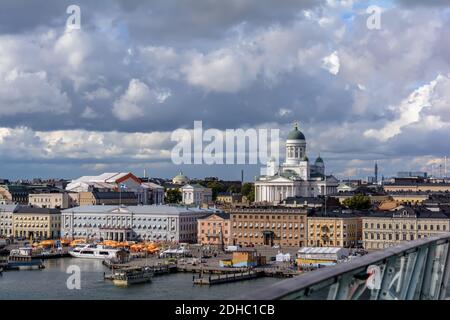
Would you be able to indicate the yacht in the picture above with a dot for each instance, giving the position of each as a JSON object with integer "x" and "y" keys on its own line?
{"x": 93, "y": 251}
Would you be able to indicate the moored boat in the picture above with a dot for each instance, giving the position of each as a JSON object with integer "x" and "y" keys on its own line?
{"x": 128, "y": 276}
{"x": 23, "y": 259}
{"x": 93, "y": 251}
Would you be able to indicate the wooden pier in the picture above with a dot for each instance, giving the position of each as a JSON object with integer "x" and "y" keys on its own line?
{"x": 226, "y": 278}
{"x": 156, "y": 270}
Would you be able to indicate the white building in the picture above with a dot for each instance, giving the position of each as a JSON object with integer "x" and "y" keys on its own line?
{"x": 6, "y": 219}
{"x": 150, "y": 222}
{"x": 112, "y": 181}
{"x": 196, "y": 194}
{"x": 296, "y": 177}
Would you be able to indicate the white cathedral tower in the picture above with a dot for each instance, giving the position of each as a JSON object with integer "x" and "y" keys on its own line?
{"x": 296, "y": 177}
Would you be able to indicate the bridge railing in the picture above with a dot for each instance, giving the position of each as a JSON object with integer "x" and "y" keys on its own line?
{"x": 415, "y": 270}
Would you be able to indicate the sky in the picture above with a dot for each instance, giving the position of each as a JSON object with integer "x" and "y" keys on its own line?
{"x": 108, "y": 96}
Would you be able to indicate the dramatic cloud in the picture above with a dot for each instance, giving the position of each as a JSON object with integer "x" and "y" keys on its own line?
{"x": 99, "y": 98}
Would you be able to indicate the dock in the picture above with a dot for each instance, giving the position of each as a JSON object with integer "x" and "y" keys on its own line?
{"x": 227, "y": 278}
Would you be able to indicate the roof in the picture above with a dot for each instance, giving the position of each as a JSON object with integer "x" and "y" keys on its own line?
{"x": 8, "y": 207}
{"x": 36, "y": 210}
{"x": 296, "y": 134}
{"x": 320, "y": 250}
{"x": 142, "y": 209}
{"x": 420, "y": 213}
{"x": 223, "y": 215}
{"x": 319, "y": 159}
{"x": 107, "y": 177}
{"x": 114, "y": 195}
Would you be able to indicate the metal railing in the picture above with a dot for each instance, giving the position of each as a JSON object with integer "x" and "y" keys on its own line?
{"x": 416, "y": 270}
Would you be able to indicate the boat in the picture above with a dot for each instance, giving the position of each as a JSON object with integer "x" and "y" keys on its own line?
{"x": 94, "y": 251}
{"x": 133, "y": 275}
{"x": 23, "y": 259}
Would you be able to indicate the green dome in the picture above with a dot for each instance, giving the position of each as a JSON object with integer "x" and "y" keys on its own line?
{"x": 296, "y": 134}
{"x": 319, "y": 159}
{"x": 305, "y": 158}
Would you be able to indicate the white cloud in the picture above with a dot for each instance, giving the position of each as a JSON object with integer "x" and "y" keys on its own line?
{"x": 331, "y": 63}
{"x": 408, "y": 111}
{"x": 30, "y": 92}
{"x": 137, "y": 99}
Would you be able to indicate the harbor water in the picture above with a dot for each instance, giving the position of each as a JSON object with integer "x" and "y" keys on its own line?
{"x": 51, "y": 283}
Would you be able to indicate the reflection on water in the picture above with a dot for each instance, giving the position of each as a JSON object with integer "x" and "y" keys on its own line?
{"x": 50, "y": 283}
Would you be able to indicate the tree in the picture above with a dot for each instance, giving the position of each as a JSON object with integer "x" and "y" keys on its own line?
{"x": 216, "y": 187}
{"x": 358, "y": 202}
{"x": 173, "y": 196}
{"x": 248, "y": 190}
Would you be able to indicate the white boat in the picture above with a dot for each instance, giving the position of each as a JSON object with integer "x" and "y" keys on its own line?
{"x": 93, "y": 251}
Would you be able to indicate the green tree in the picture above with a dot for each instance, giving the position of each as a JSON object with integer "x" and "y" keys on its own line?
{"x": 217, "y": 187}
{"x": 248, "y": 190}
{"x": 357, "y": 202}
{"x": 173, "y": 196}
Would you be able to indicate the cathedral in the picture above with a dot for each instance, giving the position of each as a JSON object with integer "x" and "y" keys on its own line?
{"x": 296, "y": 177}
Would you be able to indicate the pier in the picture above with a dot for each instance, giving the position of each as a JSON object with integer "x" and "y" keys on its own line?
{"x": 227, "y": 278}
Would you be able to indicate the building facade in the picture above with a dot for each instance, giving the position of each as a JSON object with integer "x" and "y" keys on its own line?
{"x": 261, "y": 225}
{"x": 144, "y": 222}
{"x": 334, "y": 229}
{"x": 57, "y": 200}
{"x": 6, "y": 219}
{"x": 36, "y": 223}
{"x": 214, "y": 229}
{"x": 385, "y": 229}
{"x": 107, "y": 198}
{"x": 196, "y": 194}
{"x": 296, "y": 177}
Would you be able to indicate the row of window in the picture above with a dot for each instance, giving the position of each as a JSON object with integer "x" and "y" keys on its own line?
{"x": 390, "y": 236}
{"x": 265, "y": 217}
{"x": 405, "y": 226}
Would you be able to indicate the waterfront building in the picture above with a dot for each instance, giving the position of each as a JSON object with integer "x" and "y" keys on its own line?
{"x": 334, "y": 229}
{"x": 196, "y": 194}
{"x": 53, "y": 200}
{"x": 37, "y": 223}
{"x": 386, "y": 229}
{"x": 296, "y": 176}
{"x": 214, "y": 229}
{"x": 107, "y": 198}
{"x": 142, "y": 222}
{"x": 6, "y": 219}
{"x": 268, "y": 225}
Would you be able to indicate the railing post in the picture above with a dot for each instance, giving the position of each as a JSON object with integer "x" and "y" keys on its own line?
{"x": 426, "y": 281}
{"x": 445, "y": 277}
{"x": 417, "y": 276}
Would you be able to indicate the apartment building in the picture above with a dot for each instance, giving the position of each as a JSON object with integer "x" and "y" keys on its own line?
{"x": 6, "y": 219}
{"x": 56, "y": 200}
{"x": 334, "y": 229}
{"x": 36, "y": 223}
{"x": 386, "y": 229}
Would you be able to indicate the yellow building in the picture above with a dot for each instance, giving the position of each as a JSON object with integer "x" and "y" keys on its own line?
{"x": 56, "y": 200}
{"x": 37, "y": 223}
{"x": 385, "y": 229}
{"x": 334, "y": 229}
{"x": 229, "y": 197}
{"x": 409, "y": 197}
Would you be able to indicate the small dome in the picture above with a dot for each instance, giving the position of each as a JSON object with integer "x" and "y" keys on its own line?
{"x": 296, "y": 134}
{"x": 305, "y": 158}
{"x": 319, "y": 159}
{"x": 180, "y": 179}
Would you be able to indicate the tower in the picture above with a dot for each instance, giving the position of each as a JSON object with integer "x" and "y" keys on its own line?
{"x": 376, "y": 172}
{"x": 295, "y": 146}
